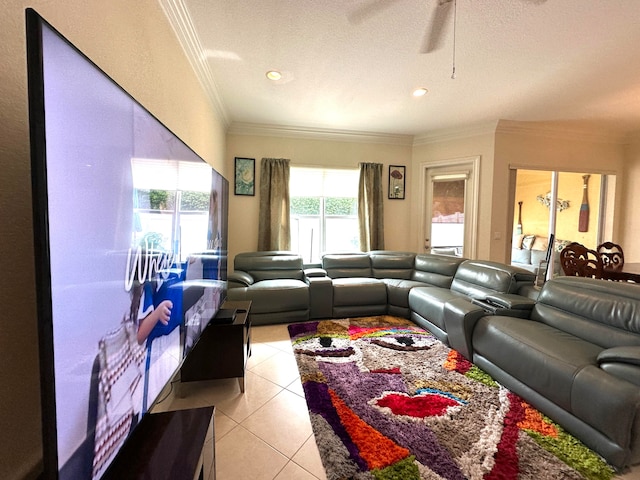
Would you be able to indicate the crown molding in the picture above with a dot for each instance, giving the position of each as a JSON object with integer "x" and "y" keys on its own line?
{"x": 562, "y": 131}
{"x": 449, "y": 134}
{"x": 180, "y": 20}
{"x": 265, "y": 130}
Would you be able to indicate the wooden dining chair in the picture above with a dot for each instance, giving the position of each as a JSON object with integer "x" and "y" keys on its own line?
{"x": 612, "y": 256}
{"x": 577, "y": 260}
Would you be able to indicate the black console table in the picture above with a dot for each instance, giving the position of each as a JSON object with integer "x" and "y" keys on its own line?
{"x": 223, "y": 349}
{"x": 166, "y": 446}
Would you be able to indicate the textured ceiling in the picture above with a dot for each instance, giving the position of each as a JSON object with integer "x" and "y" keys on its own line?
{"x": 352, "y": 64}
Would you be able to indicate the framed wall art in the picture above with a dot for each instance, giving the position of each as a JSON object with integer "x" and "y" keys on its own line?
{"x": 244, "y": 176}
{"x": 396, "y": 182}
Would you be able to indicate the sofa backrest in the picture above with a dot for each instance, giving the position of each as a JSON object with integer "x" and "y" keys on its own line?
{"x": 601, "y": 312}
{"x": 479, "y": 278}
{"x": 341, "y": 265}
{"x": 270, "y": 265}
{"x": 436, "y": 270}
{"x": 391, "y": 264}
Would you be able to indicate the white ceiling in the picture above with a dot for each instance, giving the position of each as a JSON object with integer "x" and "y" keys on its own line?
{"x": 351, "y": 65}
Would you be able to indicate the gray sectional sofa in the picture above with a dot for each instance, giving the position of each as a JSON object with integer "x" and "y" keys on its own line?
{"x": 572, "y": 349}
{"x": 360, "y": 284}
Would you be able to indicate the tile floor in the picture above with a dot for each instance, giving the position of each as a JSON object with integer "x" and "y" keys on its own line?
{"x": 265, "y": 433}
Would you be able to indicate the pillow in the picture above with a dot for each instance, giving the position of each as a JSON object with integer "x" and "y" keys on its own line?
{"x": 517, "y": 241}
{"x": 521, "y": 255}
{"x": 527, "y": 241}
{"x": 540, "y": 243}
{"x": 560, "y": 244}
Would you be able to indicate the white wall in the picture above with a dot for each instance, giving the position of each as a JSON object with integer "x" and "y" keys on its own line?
{"x": 556, "y": 148}
{"x": 629, "y": 220}
{"x": 134, "y": 44}
{"x": 243, "y": 210}
{"x": 443, "y": 148}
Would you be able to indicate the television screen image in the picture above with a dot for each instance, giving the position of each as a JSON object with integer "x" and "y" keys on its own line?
{"x": 131, "y": 238}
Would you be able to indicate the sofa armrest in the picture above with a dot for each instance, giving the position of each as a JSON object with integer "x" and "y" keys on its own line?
{"x": 460, "y": 318}
{"x": 630, "y": 355}
{"x": 239, "y": 279}
{"x": 315, "y": 272}
{"x": 510, "y": 301}
{"x": 621, "y": 362}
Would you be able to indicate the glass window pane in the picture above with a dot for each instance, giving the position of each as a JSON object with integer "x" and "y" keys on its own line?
{"x": 305, "y": 206}
{"x": 340, "y": 206}
{"x": 342, "y": 234}
{"x": 305, "y": 237}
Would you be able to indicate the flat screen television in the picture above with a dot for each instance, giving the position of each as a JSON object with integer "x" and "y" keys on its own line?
{"x": 130, "y": 230}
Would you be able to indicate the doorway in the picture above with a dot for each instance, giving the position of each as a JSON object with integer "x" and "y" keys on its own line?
{"x": 449, "y": 207}
{"x": 571, "y": 206}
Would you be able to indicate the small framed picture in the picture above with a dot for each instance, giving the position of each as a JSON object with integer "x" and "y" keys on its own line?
{"x": 245, "y": 176}
{"x": 396, "y": 182}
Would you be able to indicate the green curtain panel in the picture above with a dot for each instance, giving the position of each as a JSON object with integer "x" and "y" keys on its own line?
{"x": 370, "y": 207}
{"x": 274, "y": 227}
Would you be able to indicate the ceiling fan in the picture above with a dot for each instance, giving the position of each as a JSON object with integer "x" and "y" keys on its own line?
{"x": 441, "y": 17}
{"x": 433, "y": 35}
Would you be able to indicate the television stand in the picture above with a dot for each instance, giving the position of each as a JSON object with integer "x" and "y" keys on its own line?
{"x": 223, "y": 349}
{"x": 167, "y": 446}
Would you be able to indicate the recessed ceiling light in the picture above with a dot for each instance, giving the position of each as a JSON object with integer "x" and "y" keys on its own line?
{"x": 419, "y": 92}
{"x": 274, "y": 75}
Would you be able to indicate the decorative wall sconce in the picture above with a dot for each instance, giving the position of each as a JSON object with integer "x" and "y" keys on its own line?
{"x": 546, "y": 201}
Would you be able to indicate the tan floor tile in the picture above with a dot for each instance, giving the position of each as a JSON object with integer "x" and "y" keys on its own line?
{"x": 308, "y": 458}
{"x": 259, "y": 353}
{"x": 269, "y": 333}
{"x": 296, "y": 387}
{"x": 283, "y": 422}
{"x": 282, "y": 345}
{"x": 258, "y": 391}
{"x": 223, "y": 424}
{"x": 294, "y": 472}
{"x": 280, "y": 369}
{"x": 632, "y": 474}
{"x": 242, "y": 455}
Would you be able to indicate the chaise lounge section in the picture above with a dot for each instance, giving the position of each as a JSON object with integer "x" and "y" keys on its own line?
{"x": 576, "y": 358}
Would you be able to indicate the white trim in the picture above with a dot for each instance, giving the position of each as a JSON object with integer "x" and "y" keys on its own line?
{"x": 180, "y": 20}
{"x": 562, "y": 132}
{"x": 450, "y": 134}
{"x": 265, "y": 130}
{"x": 471, "y": 200}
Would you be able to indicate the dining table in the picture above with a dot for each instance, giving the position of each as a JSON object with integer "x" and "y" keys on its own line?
{"x": 630, "y": 273}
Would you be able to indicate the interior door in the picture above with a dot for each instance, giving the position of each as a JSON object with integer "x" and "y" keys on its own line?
{"x": 449, "y": 208}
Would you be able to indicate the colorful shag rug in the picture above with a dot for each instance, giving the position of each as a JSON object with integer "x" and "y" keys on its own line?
{"x": 387, "y": 400}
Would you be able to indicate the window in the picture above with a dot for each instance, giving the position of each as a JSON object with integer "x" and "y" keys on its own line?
{"x": 171, "y": 216}
{"x": 324, "y": 211}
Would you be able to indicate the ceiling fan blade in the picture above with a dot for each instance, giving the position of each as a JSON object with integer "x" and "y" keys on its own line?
{"x": 368, "y": 10}
{"x": 439, "y": 20}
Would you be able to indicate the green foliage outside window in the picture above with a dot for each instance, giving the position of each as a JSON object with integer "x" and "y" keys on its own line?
{"x": 340, "y": 206}
{"x": 195, "y": 201}
{"x": 332, "y": 206}
{"x": 166, "y": 200}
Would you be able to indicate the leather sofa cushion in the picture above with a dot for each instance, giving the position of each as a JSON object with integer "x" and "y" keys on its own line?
{"x": 347, "y": 265}
{"x": 268, "y": 296}
{"x": 477, "y": 279}
{"x": 269, "y": 265}
{"x": 392, "y": 264}
{"x": 398, "y": 291}
{"x": 437, "y": 270}
{"x": 603, "y": 313}
{"x": 544, "y": 358}
{"x": 429, "y": 302}
{"x": 359, "y": 291}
